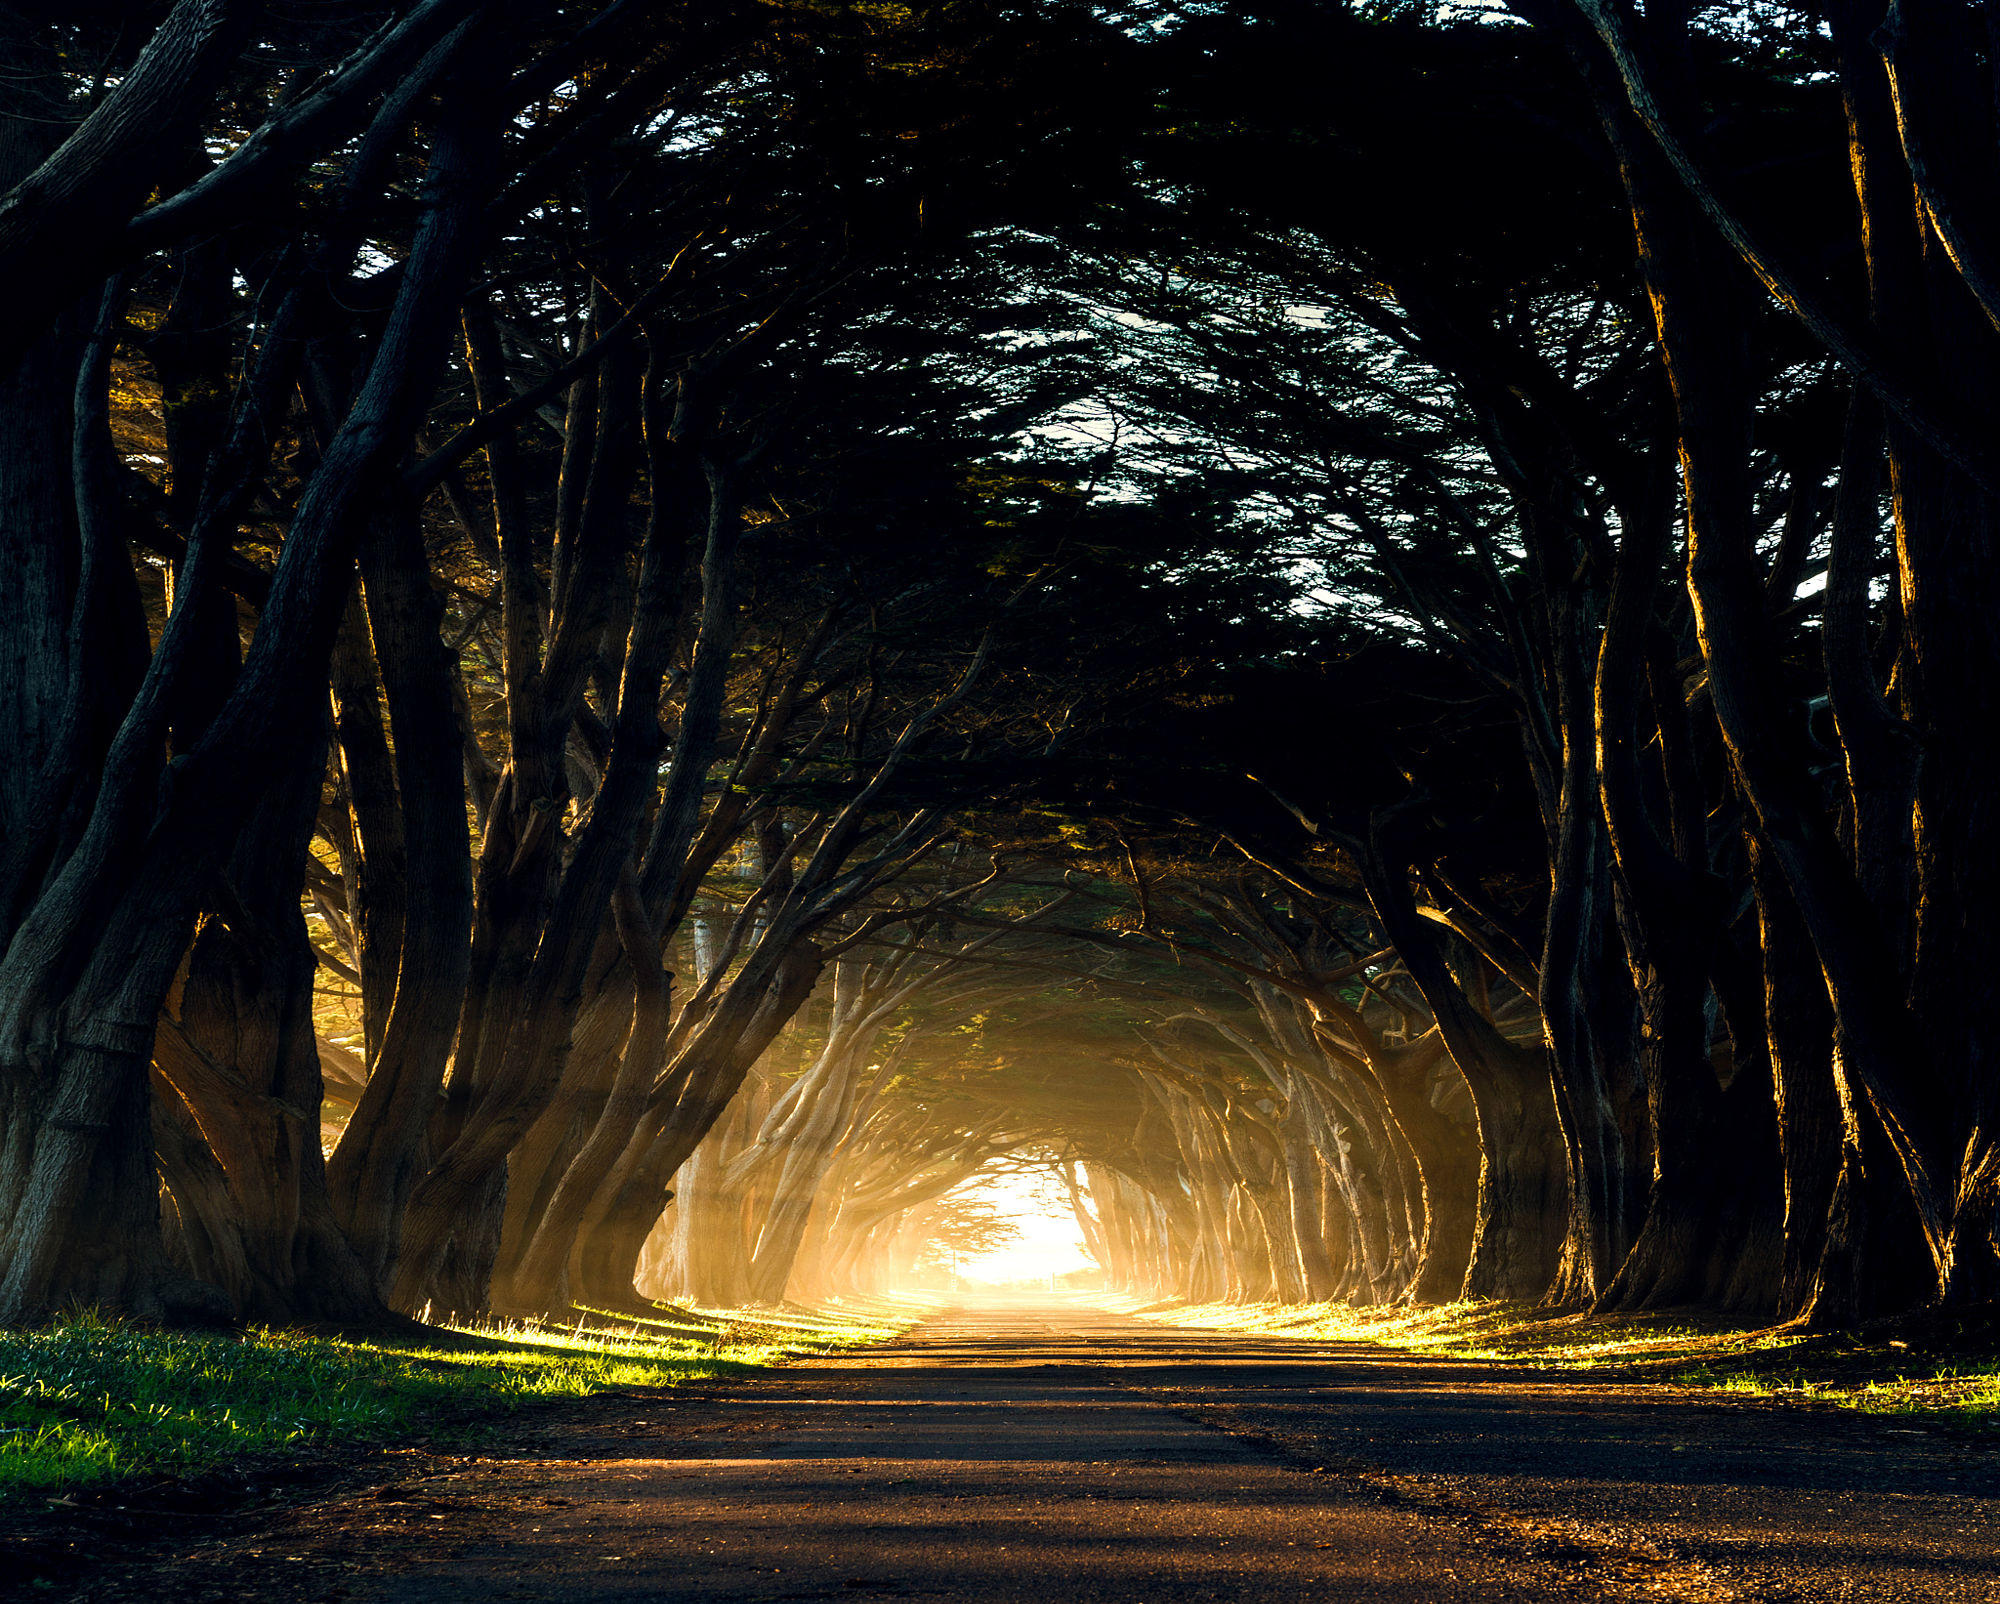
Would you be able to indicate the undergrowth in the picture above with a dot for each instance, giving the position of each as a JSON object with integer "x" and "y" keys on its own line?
{"x": 1886, "y": 1376}
{"x": 1966, "y": 1394}
{"x": 88, "y": 1401}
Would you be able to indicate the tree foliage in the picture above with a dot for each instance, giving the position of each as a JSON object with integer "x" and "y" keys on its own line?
{"x": 1363, "y": 628}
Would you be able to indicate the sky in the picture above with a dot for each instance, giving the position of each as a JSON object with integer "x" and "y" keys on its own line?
{"x": 1050, "y": 1243}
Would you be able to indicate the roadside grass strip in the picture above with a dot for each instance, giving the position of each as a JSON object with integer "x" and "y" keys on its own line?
{"x": 827, "y": 1327}
{"x": 1876, "y": 1375}
{"x": 86, "y": 1402}
{"x": 1953, "y": 1393}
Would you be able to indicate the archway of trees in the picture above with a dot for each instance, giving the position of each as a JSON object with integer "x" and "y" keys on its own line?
{"x": 638, "y": 635}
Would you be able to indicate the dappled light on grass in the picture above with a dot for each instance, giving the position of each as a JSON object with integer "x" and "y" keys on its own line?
{"x": 1685, "y": 1348}
{"x": 1484, "y": 1329}
{"x": 1963, "y": 1394}
{"x": 86, "y": 1401}
{"x": 838, "y": 1323}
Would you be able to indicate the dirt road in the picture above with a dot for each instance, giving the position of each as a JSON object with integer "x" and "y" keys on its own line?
{"x": 1052, "y": 1454}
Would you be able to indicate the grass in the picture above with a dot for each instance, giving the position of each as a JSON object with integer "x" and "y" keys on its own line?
{"x": 1941, "y": 1382}
{"x": 88, "y": 1401}
{"x": 1947, "y": 1393}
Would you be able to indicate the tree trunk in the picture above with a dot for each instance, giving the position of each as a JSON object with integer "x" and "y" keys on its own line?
{"x": 376, "y": 1162}
{"x": 83, "y": 982}
{"x": 38, "y": 528}
{"x": 1522, "y": 1172}
{"x": 237, "y": 1049}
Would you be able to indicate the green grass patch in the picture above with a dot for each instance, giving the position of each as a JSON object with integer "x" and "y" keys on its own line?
{"x": 1688, "y": 1348}
{"x": 823, "y": 1328}
{"x": 1946, "y": 1392}
{"x": 87, "y": 1402}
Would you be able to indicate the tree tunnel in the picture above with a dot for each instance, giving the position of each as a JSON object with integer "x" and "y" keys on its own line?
{"x": 774, "y": 604}
{"x": 1230, "y": 1108}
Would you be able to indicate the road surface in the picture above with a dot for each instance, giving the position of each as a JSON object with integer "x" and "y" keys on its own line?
{"x": 1051, "y": 1453}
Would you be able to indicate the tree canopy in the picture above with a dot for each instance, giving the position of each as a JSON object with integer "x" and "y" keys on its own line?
{"x": 642, "y": 635}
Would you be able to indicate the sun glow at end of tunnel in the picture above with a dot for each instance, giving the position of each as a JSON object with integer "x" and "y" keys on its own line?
{"x": 1049, "y": 1244}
